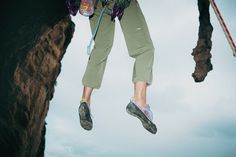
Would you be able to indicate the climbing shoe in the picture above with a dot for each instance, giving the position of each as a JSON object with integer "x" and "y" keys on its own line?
{"x": 144, "y": 115}
{"x": 85, "y": 117}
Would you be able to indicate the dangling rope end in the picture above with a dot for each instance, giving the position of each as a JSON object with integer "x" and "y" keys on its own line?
{"x": 234, "y": 52}
{"x": 91, "y": 43}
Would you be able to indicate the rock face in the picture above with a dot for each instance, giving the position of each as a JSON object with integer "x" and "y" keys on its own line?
{"x": 201, "y": 52}
{"x": 34, "y": 38}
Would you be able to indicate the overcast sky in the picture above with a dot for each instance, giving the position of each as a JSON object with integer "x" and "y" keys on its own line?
{"x": 193, "y": 119}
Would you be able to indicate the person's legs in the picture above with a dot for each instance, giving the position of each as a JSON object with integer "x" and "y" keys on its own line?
{"x": 97, "y": 60}
{"x": 103, "y": 44}
{"x": 141, "y": 48}
{"x": 139, "y": 43}
{"x": 140, "y": 89}
{"x": 96, "y": 64}
{"x": 139, "y": 108}
{"x": 87, "y": 92}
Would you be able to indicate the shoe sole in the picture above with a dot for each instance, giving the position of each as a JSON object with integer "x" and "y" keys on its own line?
{"x": 86, "y": 123}
{"x": 133, "y": 110}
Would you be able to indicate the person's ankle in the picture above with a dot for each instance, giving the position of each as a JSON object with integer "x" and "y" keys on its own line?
{"x": 87, "y": 101}
{"x": 140, "y": 102}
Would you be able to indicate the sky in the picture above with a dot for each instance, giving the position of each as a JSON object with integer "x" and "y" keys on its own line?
{"x": 193, "y": 119}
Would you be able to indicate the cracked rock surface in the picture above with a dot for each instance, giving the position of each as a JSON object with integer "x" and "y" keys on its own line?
{"x": 34, "y": 38}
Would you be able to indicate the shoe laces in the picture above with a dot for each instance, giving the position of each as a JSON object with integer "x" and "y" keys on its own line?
{"x": 146, "y": 110}
{"x": 148, "y": 113}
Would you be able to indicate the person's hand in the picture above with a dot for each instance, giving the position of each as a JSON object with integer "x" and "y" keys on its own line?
{"x": 118, "y": 9}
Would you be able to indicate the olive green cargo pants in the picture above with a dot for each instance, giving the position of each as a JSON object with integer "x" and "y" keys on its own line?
{"x": 137, "y": 38}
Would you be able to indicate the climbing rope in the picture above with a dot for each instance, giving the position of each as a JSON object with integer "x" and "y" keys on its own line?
{"x": 89, "y": 47}
{"x": 224, "y": 27}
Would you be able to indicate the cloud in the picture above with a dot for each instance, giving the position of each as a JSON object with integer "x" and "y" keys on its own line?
{"x": 193, "y": 119}
{"x": 223, "y": 128}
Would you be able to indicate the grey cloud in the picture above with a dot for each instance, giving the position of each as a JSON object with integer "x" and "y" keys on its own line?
{"x": 224, "y": 128}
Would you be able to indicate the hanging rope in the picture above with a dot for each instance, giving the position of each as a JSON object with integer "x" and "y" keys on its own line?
{"x": 224, "y": 27}
{"x": 89, "y": 47}
{"x": 103, "y": 11}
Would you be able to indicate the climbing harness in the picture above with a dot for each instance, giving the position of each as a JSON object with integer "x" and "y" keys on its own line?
{"x": 224, "y": 27}
{"x": 89, "y": 47}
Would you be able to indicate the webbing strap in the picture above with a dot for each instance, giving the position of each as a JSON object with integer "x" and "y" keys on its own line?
{"x": 89, "y": 47}
{"x": 224, "y": 27}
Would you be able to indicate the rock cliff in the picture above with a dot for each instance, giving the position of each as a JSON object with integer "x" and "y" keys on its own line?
{"x": 34, "y": 38}
{"x": 201, "y": 52}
